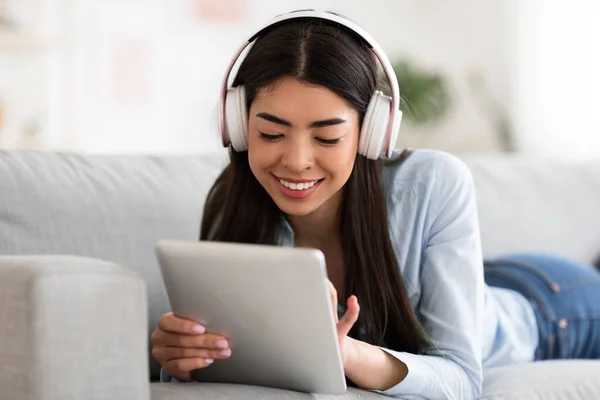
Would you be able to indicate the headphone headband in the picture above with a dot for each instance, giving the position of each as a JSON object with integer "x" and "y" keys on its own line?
{"x": 395, "y": 115}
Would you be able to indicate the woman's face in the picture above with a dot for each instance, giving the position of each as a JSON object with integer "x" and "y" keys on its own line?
{"x": 302, "y": 143}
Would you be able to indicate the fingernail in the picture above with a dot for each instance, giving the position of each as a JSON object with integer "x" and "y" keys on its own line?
{"x": 198, "y": 329}
{"x": 225, "y": 353}
{"x": 222, "y": 344}
{"x": 208, "y": 360}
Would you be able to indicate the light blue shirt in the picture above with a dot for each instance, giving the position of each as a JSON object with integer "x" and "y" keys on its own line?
{"x": 434, "y": 228}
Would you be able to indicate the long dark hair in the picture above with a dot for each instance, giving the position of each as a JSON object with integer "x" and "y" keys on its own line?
{"x": 238, "y": 209}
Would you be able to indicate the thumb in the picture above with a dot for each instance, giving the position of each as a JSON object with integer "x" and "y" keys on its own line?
{"x": 350, "y": 316}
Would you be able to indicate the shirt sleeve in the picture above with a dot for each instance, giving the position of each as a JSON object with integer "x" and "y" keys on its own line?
{"x": 165, "y": 377}
{"x": 452, "y": 285}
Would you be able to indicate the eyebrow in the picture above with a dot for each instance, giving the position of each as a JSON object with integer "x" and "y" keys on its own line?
{"x": 315, "y": 124}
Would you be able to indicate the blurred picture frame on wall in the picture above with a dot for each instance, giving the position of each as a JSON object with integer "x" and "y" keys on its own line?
{"x": 7, "y": 20}
{"x": 3, "y": 13}
{"x": 220, "y": 10}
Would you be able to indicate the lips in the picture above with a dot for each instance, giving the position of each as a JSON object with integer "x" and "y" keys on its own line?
{"x": 295, "y": 188}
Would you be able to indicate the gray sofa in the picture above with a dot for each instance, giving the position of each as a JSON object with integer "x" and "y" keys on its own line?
{"x": 80, "y": 289}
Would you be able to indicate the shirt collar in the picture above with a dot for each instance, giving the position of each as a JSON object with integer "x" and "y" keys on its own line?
{"x": 285, "y": 232}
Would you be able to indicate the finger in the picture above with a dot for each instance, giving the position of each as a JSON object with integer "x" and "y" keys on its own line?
{"x": 171, "y": 323}
{"x": 164, "y": 354}
{"x": 350, "y": 316}
{"x": 205, "y": 341}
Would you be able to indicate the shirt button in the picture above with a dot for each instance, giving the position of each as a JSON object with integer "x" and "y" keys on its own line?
{"x": 563, "y": 323}
{"x": 556, "y": 287}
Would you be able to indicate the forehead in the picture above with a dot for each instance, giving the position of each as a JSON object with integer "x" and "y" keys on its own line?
{"x": 290, "y": 96}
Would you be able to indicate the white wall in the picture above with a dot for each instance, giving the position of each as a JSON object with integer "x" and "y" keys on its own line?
{"x": 557, "y": 89}
{"x": 189, "y": 56}
{"x": 538, "y": 57}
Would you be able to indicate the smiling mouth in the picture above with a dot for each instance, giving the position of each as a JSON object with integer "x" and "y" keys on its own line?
{"x": 299, "y": 186}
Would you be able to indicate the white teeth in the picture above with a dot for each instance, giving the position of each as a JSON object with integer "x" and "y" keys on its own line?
{"x": 298, "y": 186}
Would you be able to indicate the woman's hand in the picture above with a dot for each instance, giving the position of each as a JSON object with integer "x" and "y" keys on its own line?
{"x": 365, "y": 365}
{"x": 348, "y": 346}
{"x": 181, "y": 346}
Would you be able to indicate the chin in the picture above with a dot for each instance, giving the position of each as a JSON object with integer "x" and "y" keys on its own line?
{"x": 297, "y": 210}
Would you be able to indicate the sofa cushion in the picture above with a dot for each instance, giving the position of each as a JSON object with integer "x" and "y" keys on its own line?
{"x": 544, "y": 380}
{"x": 219, "y": 391}
{"x": 534, "y": 204}
{"x": 107, "y": 207}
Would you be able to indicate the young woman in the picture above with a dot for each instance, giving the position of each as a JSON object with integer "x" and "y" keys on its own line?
{"x": 400, "y": 234}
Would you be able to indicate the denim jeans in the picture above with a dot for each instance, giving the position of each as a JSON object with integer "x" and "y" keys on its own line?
{"x": 565, "y": 296}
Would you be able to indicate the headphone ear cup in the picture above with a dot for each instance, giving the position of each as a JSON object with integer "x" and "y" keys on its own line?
{"x": 236, "y": 118}
{"x": 374, "y": 127}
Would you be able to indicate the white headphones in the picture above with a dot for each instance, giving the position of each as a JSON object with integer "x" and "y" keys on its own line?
{"x": 379, "y": 129}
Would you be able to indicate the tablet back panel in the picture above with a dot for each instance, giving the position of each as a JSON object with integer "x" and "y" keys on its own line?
{"x": 271, "y": 302}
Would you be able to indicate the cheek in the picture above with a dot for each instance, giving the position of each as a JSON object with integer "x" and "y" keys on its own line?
{"x": 259, "y": 158}
{"x": 341, "y": 163}
{"x": 349, "y": 152}
{"x": 255, "y": 162}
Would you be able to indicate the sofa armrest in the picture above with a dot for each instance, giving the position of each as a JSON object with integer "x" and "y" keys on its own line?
{"x": 72, "y": 328}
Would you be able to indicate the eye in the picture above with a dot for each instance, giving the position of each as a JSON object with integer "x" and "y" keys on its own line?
{"x": 329, "y": 142}
{"x": 269, "y": 138}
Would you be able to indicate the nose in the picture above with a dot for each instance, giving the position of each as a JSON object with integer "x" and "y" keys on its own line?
{"x": 297, "y": 156}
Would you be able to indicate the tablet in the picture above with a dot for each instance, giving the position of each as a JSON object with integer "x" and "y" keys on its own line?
{"x": 271, "y": 302}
